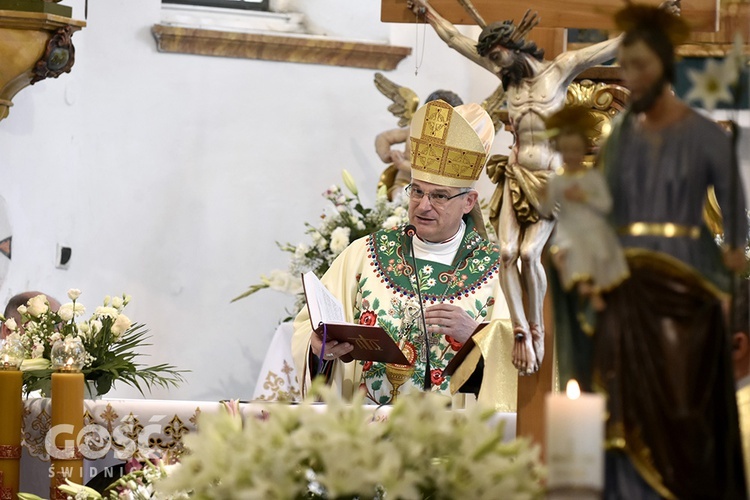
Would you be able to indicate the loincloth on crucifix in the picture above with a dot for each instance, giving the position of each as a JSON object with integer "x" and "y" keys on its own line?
{"x": 525, "y": 186}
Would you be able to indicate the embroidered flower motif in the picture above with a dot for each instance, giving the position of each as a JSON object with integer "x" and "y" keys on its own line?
{"x": 455, "y": 344}
{"x": 436, "y": 377}
{"x": 427, "y": 270}
{"x": 410, "y": 352}
{"x": 367, "y": 366}
{"x": 369, "y": 318}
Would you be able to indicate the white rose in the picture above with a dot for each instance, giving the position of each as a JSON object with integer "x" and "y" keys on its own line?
{"x": 38, "y": 305}
{"x": 66, "y": 311}
{"x": 117, "y": 302}
{"x": 74, "y": 293}
{"x": 361, "y": 225}
{"x": 120, "y": 326}
{"x": 126, "y": 299}
{"x": 96, "y": 326}
{"x": 339, "y": 239}
{"x": 11, "y": 325}
{"x": 22, "y": 310}
{"x": 109, "y": 312}
{"x": 69, "y": 310}
{"x": 83, "y": 328}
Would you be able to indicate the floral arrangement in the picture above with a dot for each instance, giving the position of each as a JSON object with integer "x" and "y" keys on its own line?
{"x": 420, "y": 450}
{"x": 346, "y": 220}
{"x": 110, "y": 340}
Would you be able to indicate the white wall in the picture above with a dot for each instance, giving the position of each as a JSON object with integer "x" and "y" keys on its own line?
{"x": 171, "y": 176}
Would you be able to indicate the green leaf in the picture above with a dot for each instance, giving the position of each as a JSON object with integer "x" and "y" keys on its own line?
{"x": 376, "y": 385}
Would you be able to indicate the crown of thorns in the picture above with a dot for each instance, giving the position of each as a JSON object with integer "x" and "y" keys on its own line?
{"x": 507, "y": 33}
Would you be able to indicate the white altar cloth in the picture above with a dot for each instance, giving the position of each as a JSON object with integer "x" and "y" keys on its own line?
{"x": 157, "y": 426}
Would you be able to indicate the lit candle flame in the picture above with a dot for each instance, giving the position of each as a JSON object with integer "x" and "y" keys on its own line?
{"x": 572, "y": 389}
{"x": 70, "y": 362}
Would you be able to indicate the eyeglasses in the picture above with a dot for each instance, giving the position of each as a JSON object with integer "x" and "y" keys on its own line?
{"x": 436, "y": 199}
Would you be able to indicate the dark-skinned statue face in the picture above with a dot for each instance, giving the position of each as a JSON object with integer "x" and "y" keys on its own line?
{"x": 643, "y": 74}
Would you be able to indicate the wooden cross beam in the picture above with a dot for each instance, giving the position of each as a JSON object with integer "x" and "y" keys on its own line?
{"x": 702, "y": 15}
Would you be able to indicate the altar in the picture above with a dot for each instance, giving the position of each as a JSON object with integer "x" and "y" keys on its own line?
{"x": 116, "y": 429}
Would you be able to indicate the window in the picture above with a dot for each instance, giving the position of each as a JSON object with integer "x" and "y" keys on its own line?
{"x": 227, "y": 4}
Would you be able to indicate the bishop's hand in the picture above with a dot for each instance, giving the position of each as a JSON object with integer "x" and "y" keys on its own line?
{"x": 447, "y": 319}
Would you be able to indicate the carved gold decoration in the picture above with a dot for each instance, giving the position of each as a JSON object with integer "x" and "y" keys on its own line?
{"x": 298, "y": 49}
{"x": 24, "y": 39}
{"x": 604, "y": 100}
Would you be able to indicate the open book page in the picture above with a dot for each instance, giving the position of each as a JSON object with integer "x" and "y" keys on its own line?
{"x": 321, "y": 304}
{"x": 371, "y": 343}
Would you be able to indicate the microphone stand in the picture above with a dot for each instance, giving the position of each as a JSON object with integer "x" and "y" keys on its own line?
{"x": 410, "y": 231}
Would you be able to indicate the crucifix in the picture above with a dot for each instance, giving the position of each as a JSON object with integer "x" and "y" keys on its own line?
{"x": 535, "y": 87}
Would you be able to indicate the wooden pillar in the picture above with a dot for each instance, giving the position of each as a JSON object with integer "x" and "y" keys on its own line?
{"x": 554, "y": 41}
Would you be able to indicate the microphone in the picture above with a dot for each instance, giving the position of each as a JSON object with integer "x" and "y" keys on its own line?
{"x": 410, "y": 232}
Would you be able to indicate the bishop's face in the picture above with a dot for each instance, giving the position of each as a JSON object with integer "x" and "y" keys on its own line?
{"x": 642, "y": 74}
{"x": 439, "y": 221}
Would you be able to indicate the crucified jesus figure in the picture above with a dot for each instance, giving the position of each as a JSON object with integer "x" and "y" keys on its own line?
{"x": 534, "y": 88}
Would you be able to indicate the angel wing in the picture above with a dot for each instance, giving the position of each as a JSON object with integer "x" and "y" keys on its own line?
{"x": 494, "y": 105}
{"x": 405, "y": 100}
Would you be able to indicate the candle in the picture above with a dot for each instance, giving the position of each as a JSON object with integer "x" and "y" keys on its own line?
{"x": 575, "y": 443}
{"x": 11, "y": 383}
{"x": 67, "y": 409}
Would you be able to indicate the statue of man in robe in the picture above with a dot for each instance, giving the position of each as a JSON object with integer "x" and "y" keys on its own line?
{"x": 535, "y": 88}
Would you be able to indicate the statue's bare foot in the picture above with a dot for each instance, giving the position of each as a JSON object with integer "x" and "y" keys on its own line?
{"x": 524, "y": 358}
{"x": 537, "y": 339}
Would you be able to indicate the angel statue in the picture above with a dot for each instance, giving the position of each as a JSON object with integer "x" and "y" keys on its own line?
{"x": 535, "y": 88}
{"x": 405, "y": 102}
